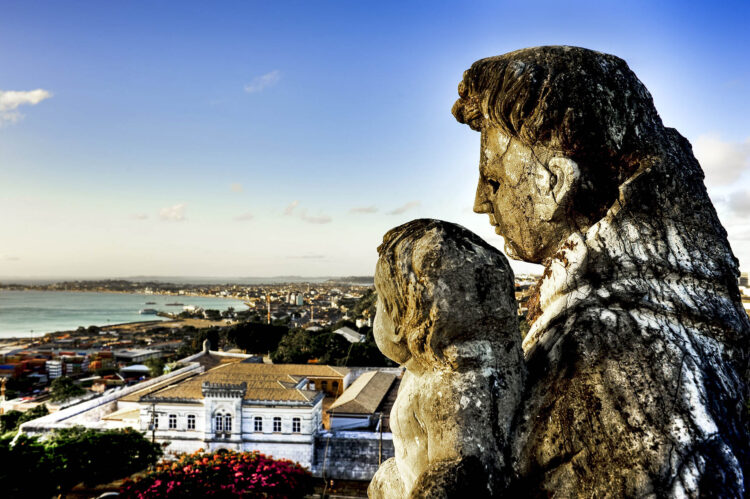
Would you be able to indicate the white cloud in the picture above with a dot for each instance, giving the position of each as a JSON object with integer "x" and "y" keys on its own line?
{"x": 244, "y": 217}
{"x": 739, "y": 233}
{"x": 235, "y": 187}
{"x": 739, "y": 203}
{"x": 174, "y": 213}
{"x": 724, "y": 162}
{"x": 364, "y": 209}
{"x": 290, "y": 208}
{"x": 261, "y": 82}
{"x": 321, "y": 219}
{"x": 8, "y": 258}
{"x": 404, "y": 208}
{"x": 11, "y": 100}
{"x": 139, "y": 216}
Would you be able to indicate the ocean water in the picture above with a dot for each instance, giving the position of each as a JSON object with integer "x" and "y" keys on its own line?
{"x": 27, "y": 313}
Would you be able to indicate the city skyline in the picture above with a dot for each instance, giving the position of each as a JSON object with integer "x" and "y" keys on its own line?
{"x": 265, "y": 140}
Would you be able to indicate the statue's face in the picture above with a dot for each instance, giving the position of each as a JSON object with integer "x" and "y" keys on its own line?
{"x": 521, "y": 189}
{"x": 387, "y": 338}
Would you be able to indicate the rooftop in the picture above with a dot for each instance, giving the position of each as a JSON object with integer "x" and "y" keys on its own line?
{"x": 265, "y": 382}
{"x": 365, "y": 394}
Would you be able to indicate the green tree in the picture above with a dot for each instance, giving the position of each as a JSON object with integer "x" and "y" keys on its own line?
{"x": 11, "y": 420}
{"x": 330, "y": 348}
{"x": 42, "y": 469}
{"x": 64, "y": 388}
{"x": 94, "y": 457}
{"x": 211, "y": 334}
{"x": 27, "y": 468}
{"x": 368, "y": 354}
{"x": 366, "y": 305}
{"x": 212, "y": 315}
{"x": 254, "y": 337}
{"x": 155, "y": 366}
{"x": 294, "y": 348}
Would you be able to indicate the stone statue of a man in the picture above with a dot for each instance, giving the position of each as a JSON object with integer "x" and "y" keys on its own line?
{"x": 638, "y": 338}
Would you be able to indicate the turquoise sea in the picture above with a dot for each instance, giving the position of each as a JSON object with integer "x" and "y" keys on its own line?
{"x": 27, "y": 313}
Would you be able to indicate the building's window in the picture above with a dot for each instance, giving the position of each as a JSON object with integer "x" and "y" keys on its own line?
{"x": 277, "y": 424}
{"x": 219, "y": 422}
{"x": 173, "y": 421}
{"x": 156, "y": 421}
{"x": 228, "y": 423}
{"x": 258, "y": 423}
{"x": 296, "y": 425}
{"x": 191, "y": 422}
{"x": 324, "y": 385}
{"x": 335, "y": 385}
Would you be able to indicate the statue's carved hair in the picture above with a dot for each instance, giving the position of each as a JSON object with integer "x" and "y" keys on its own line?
{"x": 436, "y": 277}
{"x": 588, "y": 105}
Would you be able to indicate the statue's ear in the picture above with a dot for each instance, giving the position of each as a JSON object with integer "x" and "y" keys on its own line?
{"x": 556, "y": 183}
{"x": 566, "y": 174}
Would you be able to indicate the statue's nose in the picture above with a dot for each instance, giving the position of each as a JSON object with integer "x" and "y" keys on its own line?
{"x": 481, "y": 203}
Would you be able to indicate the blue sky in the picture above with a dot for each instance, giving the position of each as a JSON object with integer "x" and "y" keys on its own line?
{"x": 269, "y": 138}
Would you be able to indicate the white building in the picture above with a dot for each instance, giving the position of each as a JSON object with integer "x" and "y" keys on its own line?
{"x": 363, "y": 403}
{"x": 54, "y": 368}
{"x": 218, "y": 401}
{"x": 265, "y": 407}
{"x": 350, "y": 334}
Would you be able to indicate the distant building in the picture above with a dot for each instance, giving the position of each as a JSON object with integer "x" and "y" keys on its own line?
{"x": 362, "y": 322}
{"x": 350, "y": 334}
{"x": 222, "y": 400}
{"x": 136, "y": 355}
{"x": 360, "y": 406}
{"x": 54, "y": 368}
{"x": 219, "y": 401}
{"x": 745, "y": 279}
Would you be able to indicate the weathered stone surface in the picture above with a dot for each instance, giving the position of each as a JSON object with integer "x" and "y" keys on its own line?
{"x": 638, "y": 337}
{"x": 447, "y": 312}
{"x": 349, "y": 455}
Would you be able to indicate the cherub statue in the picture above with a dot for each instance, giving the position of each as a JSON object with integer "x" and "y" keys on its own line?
{"x": 447, "y": 312}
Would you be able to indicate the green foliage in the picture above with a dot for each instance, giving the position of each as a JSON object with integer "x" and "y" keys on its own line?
{"x": 211, "y": 334}
{"x": 43, "y": 469}
{"x": 524, "y": 327}
{"x": 27, "y": 469}
{"x": 64, "y": 388}
{"x": 368, "y": 354}
{"x": 95, "y": 457}
{"x": 300, "y": 346}
{"x": 330, "y": 348}
{"x": 366, "y": 305}
{"x": 155, "y": 366}
{"x": 255, "y": 337}
{"x": 11, "y": 420}
{"x": 212, "y": 315}
{"x": 294, "y": 348}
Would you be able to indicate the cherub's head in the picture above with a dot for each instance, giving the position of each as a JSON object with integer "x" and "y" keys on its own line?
{"x": 440, "y": 286}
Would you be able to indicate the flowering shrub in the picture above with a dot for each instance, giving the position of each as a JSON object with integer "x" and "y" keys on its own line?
{"x": 226, "y": 474}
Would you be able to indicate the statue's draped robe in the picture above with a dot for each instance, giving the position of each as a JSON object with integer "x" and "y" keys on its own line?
{"x": 635, "y": 359}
